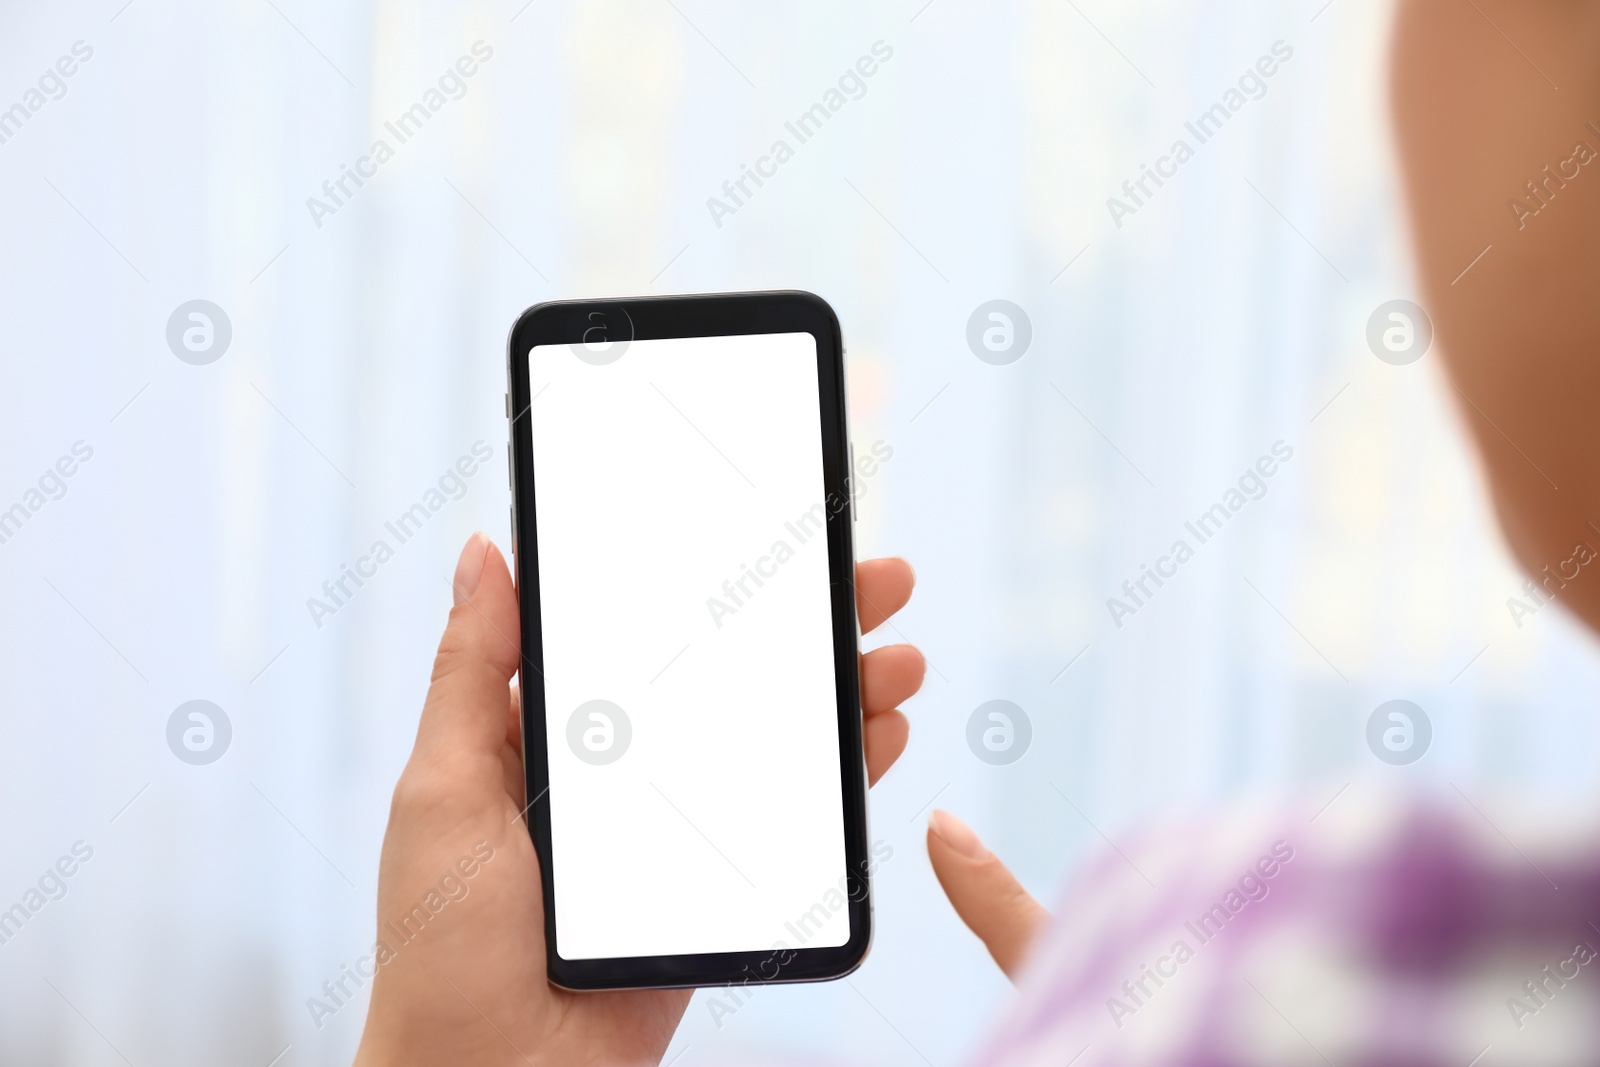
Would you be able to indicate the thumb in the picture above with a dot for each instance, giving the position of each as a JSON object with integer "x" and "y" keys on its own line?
{"x": 985, "y": 894}
{"x": 470, "y": 692}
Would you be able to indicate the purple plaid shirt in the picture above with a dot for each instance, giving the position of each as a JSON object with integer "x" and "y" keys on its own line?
{"x": 1374, "y": 931}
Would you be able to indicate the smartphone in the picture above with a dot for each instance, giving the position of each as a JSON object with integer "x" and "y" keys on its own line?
{"x": 691, "y": 712}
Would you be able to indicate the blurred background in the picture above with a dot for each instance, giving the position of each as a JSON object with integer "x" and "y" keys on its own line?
{"x": 1170, "y": 347}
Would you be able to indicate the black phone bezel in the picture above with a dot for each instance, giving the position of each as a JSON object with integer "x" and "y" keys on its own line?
{"x": 702, "y": 315}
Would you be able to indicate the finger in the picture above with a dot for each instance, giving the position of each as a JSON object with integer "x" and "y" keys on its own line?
{"x": 882, "y": 588}
{"x": 985, "y": 894}
{"x": 890, "y": 676}
{"x": 512, "y": 765}
{"x": 467, "y": 701}
{"x": 884, "y": 735}
{"x": 514, "y": 719}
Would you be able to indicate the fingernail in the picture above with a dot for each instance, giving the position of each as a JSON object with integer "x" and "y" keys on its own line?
{"x": 469, "y": 568}
{"x": 957, "y": 834}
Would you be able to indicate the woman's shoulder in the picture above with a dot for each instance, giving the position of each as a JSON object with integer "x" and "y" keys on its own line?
{"x": 1292, "y": 928}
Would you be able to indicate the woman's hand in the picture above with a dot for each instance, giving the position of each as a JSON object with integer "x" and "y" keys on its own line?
{"x": 985, "y": 894}
{"x": 461, "y": 971}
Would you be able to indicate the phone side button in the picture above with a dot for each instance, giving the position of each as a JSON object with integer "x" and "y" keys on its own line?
{"x": 512, "y": 511}
{"x": 851, "y": 482}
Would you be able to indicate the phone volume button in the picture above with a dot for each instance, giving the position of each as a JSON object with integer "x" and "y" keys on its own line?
{"x": 850, "y": 483}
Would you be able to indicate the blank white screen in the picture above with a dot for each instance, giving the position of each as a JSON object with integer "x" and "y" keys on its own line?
{"x": 659, "y": 478}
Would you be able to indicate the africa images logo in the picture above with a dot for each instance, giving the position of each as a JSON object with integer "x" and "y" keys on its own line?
{"x": 999, "y": 332}
{"x": 851, "y": 85}
{"x": 1251, "y": 85}
{"x": 599, "y": 732}
{"x": 199, "y": 732}
{"x": 451, "y": 85}
{"x": 999, "y": 732}
{"x": 1399, "y": 732}
{"x": 199, "y": 332}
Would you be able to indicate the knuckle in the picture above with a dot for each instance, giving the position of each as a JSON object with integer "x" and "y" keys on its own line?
{"x": 453, "y": 652}
{"x": 415, "y": 793}
{"x": 442, "y": 789}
